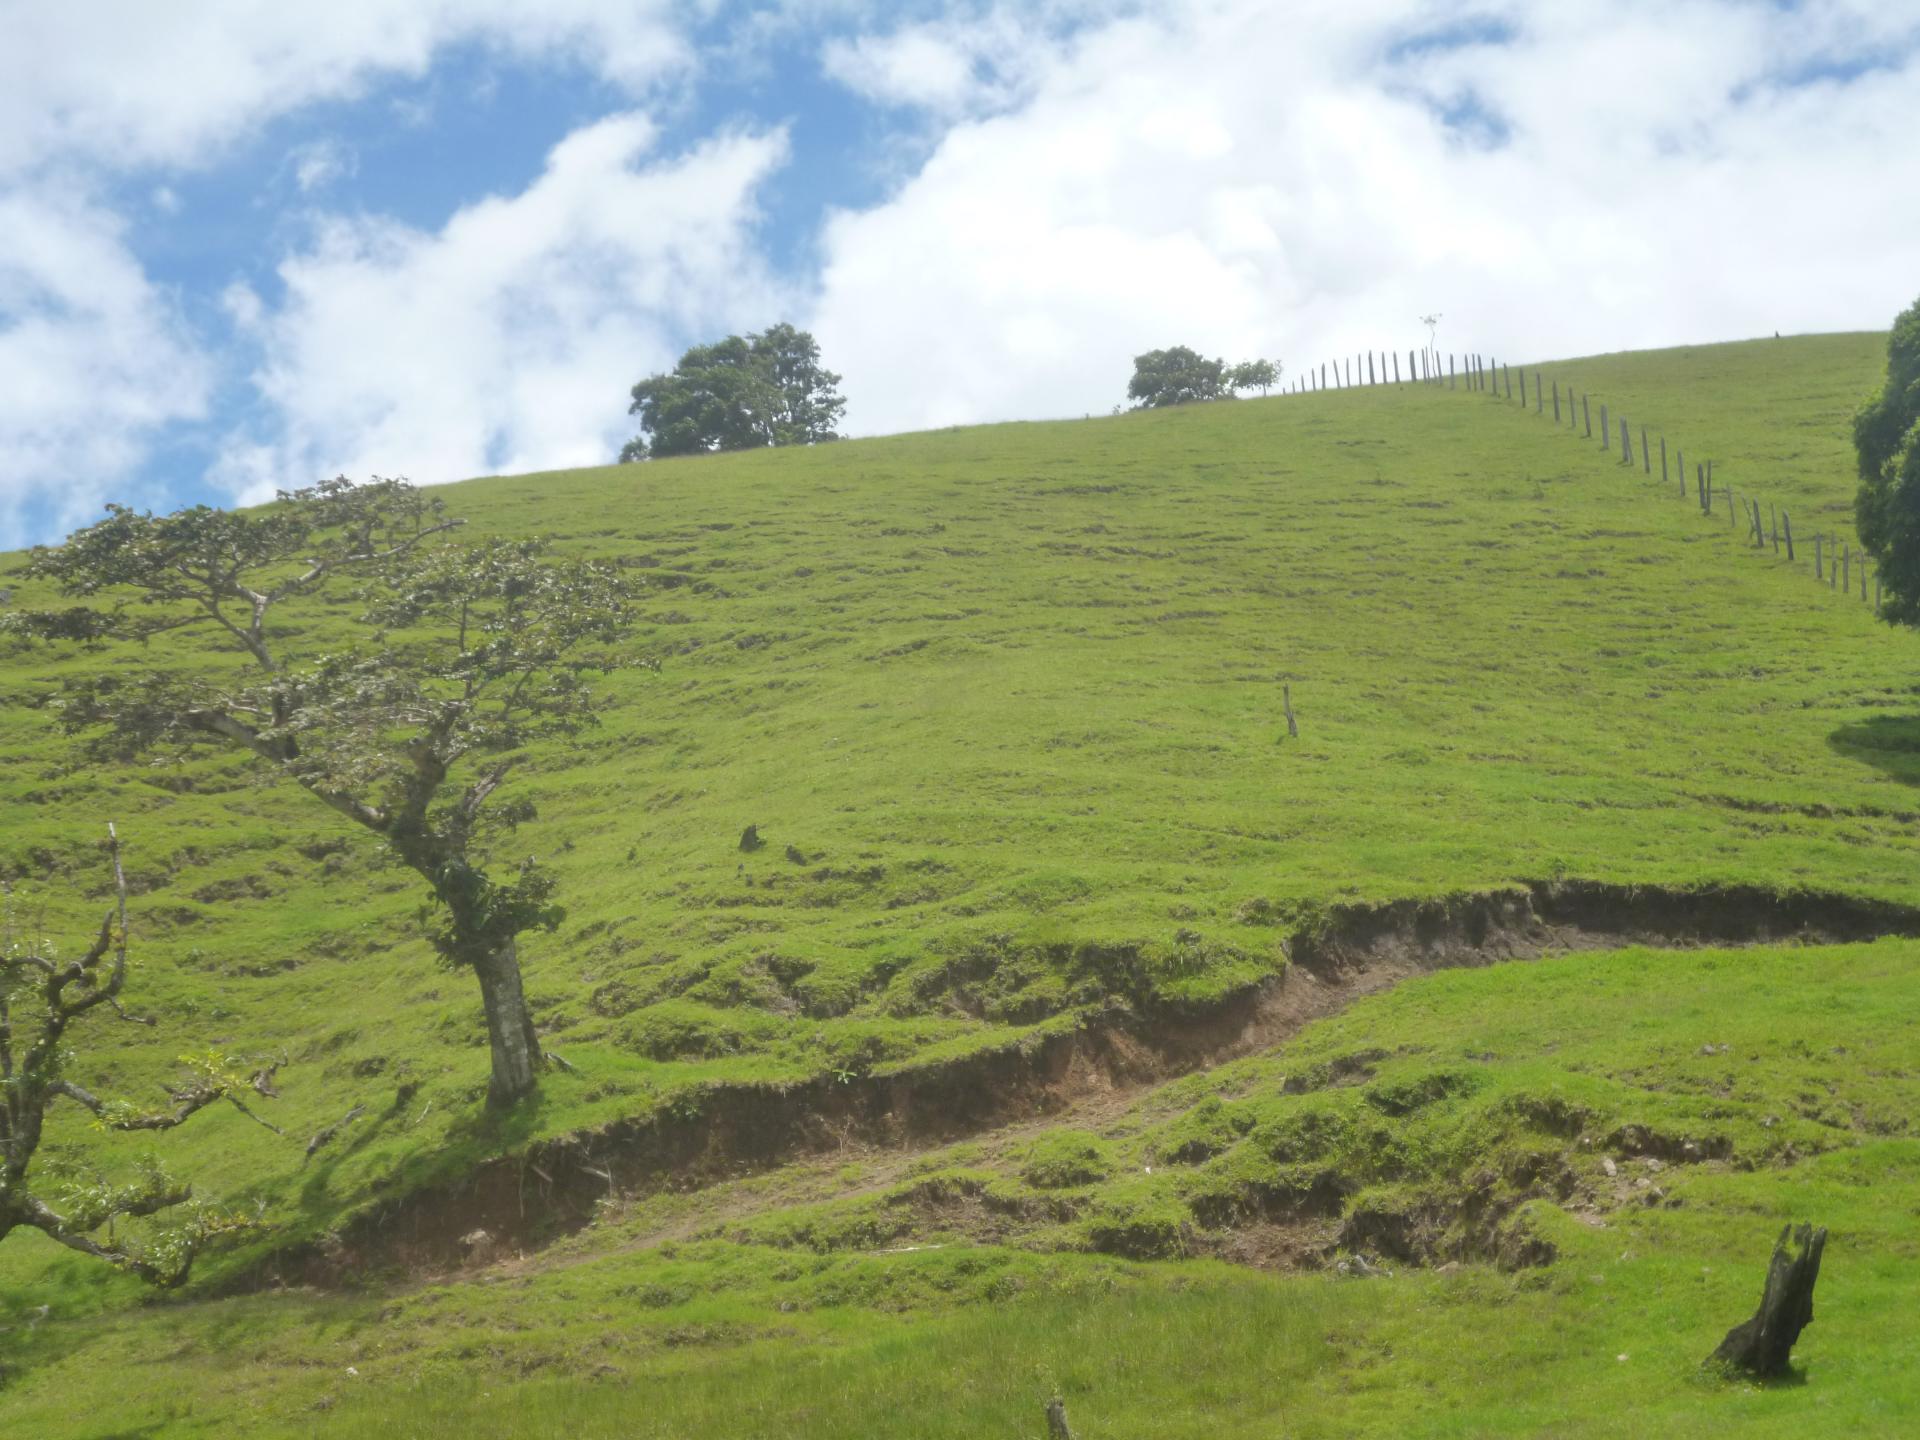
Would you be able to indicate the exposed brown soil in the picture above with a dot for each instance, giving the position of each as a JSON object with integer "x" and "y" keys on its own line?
{"x": 521, "y": 1202}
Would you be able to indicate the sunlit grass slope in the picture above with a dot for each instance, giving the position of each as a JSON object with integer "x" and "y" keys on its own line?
{"x": 1005, "y": 705}
{"x": 1773, "y": 415}
{"x": 951, "y": 1293}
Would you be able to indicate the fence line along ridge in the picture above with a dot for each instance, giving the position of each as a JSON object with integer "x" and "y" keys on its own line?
{"x": 1834, "y": 560}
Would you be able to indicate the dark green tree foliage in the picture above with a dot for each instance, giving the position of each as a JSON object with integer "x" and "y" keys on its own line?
{"x": 1176, "y": 376}
{"x": 1886, "y": 438}
{"x": 462, "y": 655}
{"x": 45, "y": 996}
{"x": 741, "y": 393}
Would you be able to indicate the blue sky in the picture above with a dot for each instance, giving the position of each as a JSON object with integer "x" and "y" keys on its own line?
{"x": 244, "y": 247}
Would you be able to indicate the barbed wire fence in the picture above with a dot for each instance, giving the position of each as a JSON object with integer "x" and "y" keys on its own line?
{"x": 1835, "y": 561}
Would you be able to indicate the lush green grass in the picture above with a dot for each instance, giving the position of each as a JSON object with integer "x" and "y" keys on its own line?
{"x": 748, "y": 1311}
{"x": 1011, "y": 695}
{"x": 1774, "y": 416}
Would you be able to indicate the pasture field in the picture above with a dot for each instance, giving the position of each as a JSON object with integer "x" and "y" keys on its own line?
{"x": 950, "y": 1292}
{"x": 1005, "y": 705}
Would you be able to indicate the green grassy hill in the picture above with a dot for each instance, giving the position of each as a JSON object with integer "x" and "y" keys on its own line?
{"x": 1005, "y": 704}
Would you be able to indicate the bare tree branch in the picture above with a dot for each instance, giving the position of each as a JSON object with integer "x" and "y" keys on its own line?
{"x": 33, "y": 1082}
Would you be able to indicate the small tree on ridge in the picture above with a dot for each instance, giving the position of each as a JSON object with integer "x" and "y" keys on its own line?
{"x": 1176, "y": 376}
{"x": 1261, "y": 375}
{"x": 740, "y": 393}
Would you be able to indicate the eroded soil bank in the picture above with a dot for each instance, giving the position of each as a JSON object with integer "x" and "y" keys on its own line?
{"x": 521, "y": 1202}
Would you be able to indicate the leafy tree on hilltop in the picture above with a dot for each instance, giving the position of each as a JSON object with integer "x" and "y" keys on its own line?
{"x": 741, "y": 393}
{"x": 1176, "y": 376}
{"x": 463, "y": 654}
{"x": 1261, "y": 375}
{"x": 43, "y": 996}
{"x": 1886, "y": 439}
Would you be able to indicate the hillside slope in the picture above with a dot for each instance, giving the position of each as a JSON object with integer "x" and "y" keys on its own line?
{"x": 1005, "y": 704}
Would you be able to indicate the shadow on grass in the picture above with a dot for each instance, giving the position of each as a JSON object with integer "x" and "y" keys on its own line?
{"x": 476, "y": 1138}
{"x": 1889, "y": 743}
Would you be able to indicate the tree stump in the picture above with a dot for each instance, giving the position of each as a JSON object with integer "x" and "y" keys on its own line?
{"x": 1763, "y": 1344}
{"x": 750, "y": 838}
{"x": 1057, "y": 1420}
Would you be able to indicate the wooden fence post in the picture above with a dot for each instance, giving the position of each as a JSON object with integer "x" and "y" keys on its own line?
{"x": 1709, "y": 505}
{"x": 1626, "y": 443}
{"x": 1523, "y": 387}
{"x": 1508, "y": 374}
{"x": 1846, "y": 568}
{"x": 1450, "y": 383}
{"x": 1786, "y": 531}
{"x": 1700, "y": 485}
{"x": 1586, "y": 409}
{"x": 1731, "y": 522}
{"x": 1556, "y": 402}
{"x": 1413, "y": 372}
{"x": 1606, "y": 431}
{"x": 1818, "y": 572}
{"x": 1370, "y": 379}
{"x": 1664, "y": 476}
{"x": 1286, "y": 700}
{"x": 1773, "y": 527}
{"x": 1057, "y": 1427}
{"x": 1680, "y": 464}
{"x": 1646, "y": 455}
{"x": 1539, "y": 400}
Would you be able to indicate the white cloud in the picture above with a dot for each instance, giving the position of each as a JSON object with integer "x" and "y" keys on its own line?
{"x": 241, "y": 304}
{"x": 130, "y": 83}
{"x": 970, "y": 60}
{"x": 318, "y": 163}
{"x": 94, "y": 359}
{"x": 93, "y": 363}
{"x": 506, "y": 340}
{"x": 1254, "y": 179}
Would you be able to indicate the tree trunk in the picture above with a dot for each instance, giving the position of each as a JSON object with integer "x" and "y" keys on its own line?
{"x": 1763, "y": 1344}
{"x": 515, "y": 1047}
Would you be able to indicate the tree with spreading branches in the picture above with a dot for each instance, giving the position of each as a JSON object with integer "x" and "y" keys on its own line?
{"x": 740, "y": 393}
{"x": 463, "y": 655}
{"x": 1177, "y": 376}
{"x": 42, "y": 998}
